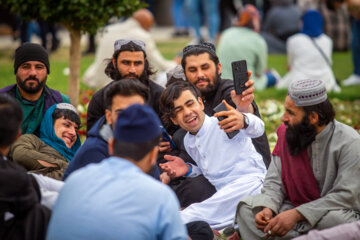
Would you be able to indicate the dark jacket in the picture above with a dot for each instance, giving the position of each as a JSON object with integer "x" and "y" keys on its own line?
{"x": 52, "y": 96}
{"x": 93, "y": 150}
{"x": 97, "y": 106}
{"x": 20, "y": 195}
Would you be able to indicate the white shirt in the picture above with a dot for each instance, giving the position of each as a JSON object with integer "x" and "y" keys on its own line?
{"x": 305, "y": 61}
{"x": 222, "y": 160}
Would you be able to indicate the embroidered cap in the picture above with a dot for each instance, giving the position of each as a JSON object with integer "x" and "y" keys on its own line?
{"x": 204, "y": 45}
{"x": 176, "y": 72}
{"x": 137, "y": 123}
{"x": 307, "y": 92}
{"x": 121, "y": 42}
{"x": 66, "y": 106}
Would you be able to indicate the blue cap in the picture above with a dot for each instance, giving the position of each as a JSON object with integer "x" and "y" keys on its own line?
{"x": 137, "y": 123}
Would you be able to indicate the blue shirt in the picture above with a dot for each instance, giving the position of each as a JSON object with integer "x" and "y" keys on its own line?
{"x": 115, "y": 200}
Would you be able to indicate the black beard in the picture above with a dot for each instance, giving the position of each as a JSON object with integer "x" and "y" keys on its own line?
{"x": 144, "y": 78}
{"x": 31, "y": 89}
{"x": 300, "y": 136}
{"x": 210, "y": 89}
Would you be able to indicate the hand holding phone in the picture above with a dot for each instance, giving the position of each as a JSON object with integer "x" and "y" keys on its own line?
{"x": 165, "y": 137}
{"x": 222, "y": 107}
{"x": 240, "y": 76}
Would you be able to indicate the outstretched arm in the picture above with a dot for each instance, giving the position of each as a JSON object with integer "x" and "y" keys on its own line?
{"x": 176, "y": 167}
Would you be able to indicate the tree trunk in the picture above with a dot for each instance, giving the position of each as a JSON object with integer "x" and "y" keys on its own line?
{"x": 74, "y": 65}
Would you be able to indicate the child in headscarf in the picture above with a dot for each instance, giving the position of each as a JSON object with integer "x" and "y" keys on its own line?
{"x": 50, "y": 154}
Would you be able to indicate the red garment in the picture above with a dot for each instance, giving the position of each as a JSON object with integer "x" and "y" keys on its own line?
{"x": 296, "y": 172}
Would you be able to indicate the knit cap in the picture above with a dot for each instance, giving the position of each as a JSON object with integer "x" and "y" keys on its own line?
{"x": 31, "y": 52}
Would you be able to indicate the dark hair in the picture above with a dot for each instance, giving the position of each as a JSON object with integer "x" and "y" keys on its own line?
{"x": 197, "y": 51}
{"x": 325, "y": 111}
{"x": 10, "y": 119}
{"x": 112, "y": 71}
{"x": 171, "y": 93}
{"x": 67, "y": 114}
{"x": 134, "y": 151}
{"x": 125, "y": 87}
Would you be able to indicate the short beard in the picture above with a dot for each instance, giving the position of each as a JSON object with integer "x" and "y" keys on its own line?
{"x": 300, "y": 136}
{"x": 31, "y": 89}
{"x": 211, "y": 88}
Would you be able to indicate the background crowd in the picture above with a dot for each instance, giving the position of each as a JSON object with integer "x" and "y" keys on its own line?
{"x": 137, "y": 90}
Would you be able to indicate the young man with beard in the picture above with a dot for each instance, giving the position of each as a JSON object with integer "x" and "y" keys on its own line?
{"x": 31, "y": 67}
{"x": 312, "y": 181}
{"x": 202, "y": 69}
{"x": 128, "y": 61}
{"x": 232, "y": 166}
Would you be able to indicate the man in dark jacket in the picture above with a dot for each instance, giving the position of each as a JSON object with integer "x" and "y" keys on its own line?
{"x": 31, "y": 68}
{"x": 128, "y": 61}
{"x": 21, "y": 214}
{"x": 118, "y": 96}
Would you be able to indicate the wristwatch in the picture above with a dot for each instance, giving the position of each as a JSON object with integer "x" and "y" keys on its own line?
{"x": 246, "y": 121}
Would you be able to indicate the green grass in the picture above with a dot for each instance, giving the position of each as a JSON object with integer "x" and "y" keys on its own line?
{"x": 59, "y": 61}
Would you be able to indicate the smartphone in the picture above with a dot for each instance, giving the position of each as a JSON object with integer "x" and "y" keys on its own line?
{"x": 222, "y": 107}
{"x": 165, "y": 137}
{"x": 240, "y": 76}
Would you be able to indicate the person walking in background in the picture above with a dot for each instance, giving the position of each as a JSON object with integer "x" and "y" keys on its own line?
{"x": 208, "y": 8}
{"x": 282, "y": 21}
{"x": 354, "y": 10}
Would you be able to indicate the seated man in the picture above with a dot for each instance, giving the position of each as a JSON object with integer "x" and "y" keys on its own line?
{"x": 129, "y": 60}
{"x": 50, "y": 154}
{"x": 232, "y": 165}
{"x": 312, "y": 182}
{"x": 21, "y": 214}
{"x": 135, "y": 27}
{"x": 118, "y": 96}
{"x": 31, "y": 67}
{"x": 118, "y": 199}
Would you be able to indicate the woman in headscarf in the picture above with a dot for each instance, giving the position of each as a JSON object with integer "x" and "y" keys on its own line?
{"x": 50, "y": 154}
{"x": 309, "y": 54}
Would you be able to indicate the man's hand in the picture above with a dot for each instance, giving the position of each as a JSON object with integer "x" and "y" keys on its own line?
{"x": 263, "y": 217}
{"x": 281, "y": 224}
{"x": 175, "y": 167}
{"x": 46, "y": 164}
{"x": 164, "y": 147}
{"x": 165, "y": 178}
{"x": 244, "y": 100}
{"x": 234, "y": 119}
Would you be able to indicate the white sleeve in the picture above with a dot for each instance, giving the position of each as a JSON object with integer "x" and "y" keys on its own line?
{"x": 49, "y": 189}
{"x": 256, "y": 126}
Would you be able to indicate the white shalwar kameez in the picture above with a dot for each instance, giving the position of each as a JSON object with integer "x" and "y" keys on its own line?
{"x": 232, "y": 165}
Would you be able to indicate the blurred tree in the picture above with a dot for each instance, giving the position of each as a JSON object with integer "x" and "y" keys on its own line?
{"x": 78, "y": 16}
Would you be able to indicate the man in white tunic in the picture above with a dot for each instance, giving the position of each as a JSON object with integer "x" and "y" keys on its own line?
{"x": 232, "y": 165}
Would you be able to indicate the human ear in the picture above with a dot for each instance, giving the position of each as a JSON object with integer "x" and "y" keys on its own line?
{"x": 111, "y": 146}
{"x": 108, "y": 116}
